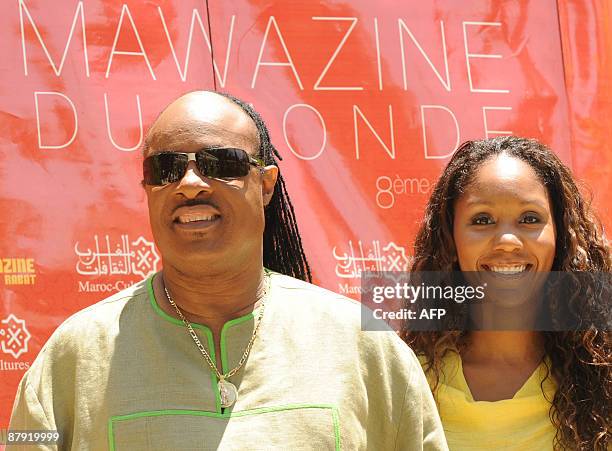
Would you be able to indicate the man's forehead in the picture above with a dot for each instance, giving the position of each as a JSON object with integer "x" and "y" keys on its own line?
{"x": 198, "y": 134}
{"x": 201, "y": 120}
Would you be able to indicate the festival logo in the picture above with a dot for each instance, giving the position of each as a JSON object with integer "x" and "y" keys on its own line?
{"x": 18, "y": 271}
{"x": 373, "y": 258}
{"x": 14, "y": 336}
{"x": 124, "y": 257}
{"x": 107, "y": 257}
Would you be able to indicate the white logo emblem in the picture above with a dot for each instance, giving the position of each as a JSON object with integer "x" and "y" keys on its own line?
{"x": 14, "y": 336}
{"x": 374, "y": 258}
{"x": 395, "y": 257}
{"x": 126, "y": 257}
{"x": 145, "y": 258}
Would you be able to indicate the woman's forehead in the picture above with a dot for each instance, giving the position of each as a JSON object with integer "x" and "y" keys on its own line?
{"x": 505, "y": 169}
{"x": 508, "y": 177}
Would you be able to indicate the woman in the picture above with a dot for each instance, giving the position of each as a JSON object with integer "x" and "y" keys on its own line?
{"x": 509, "y": 206}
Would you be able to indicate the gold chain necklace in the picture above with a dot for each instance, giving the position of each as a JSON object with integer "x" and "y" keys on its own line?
{"x": 227, "y": 391}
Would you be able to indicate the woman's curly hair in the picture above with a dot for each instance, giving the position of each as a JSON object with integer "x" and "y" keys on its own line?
{"x": 581, "y": 362}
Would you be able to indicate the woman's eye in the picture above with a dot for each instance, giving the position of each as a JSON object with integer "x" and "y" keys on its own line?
{"x": 482, "y": 220}
{"x": 530, "y": 219}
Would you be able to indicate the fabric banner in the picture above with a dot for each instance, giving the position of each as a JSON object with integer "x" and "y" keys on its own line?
{"x": 366, "y": 101}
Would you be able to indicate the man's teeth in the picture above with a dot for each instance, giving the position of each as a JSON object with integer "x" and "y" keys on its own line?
{"x": 508, "y": 269}
{"x": 193, "y": 218}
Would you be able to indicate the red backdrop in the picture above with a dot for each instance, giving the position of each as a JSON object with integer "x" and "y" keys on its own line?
{"x": 365, "y": 100}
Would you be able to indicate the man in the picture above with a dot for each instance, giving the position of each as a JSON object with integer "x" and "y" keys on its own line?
{"x": 215, "y": 352}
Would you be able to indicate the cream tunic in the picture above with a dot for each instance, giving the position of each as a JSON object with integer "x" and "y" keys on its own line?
{"x": 123, "y": 375}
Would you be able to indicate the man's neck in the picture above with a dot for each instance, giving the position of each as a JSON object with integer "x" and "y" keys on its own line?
{"x": 211, "y": 299}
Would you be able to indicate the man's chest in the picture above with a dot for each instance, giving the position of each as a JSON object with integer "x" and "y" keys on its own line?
{"x": 175, "y": 404}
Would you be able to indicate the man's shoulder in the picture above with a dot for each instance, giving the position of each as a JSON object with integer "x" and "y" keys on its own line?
{"x": 101, "y": 317}
{"x": 305, "y": 305}
{"x": 87, "y": 335}
{"x": 297, "y": 295}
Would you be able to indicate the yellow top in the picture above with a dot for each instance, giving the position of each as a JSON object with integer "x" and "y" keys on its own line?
{"x": 521, "y": 423}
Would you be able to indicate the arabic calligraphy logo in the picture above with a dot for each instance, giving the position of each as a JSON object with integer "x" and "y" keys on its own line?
{"x": 137, "y": 257}
{"x": 351, "y": 264}
{"x": 14, "y": 336}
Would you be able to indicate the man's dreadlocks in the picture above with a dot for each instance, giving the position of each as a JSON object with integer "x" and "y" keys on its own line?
{"x": 282, "y": 244}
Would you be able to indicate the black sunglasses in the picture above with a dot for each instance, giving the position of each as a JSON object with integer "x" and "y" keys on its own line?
{"x": 219, "y": 162}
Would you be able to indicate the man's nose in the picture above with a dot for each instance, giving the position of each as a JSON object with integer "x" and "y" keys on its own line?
{"x": 193, "y": 182}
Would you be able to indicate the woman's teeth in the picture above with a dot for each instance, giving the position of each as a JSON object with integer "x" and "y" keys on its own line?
{"x": 508, "y": 269}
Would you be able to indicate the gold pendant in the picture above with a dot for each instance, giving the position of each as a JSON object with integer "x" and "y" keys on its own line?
{"x": 228, "y": 393}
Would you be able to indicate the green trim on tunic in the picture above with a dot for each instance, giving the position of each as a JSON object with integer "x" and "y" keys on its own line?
{"x": 260, "y": 411}
{"x": 209, "y": 338}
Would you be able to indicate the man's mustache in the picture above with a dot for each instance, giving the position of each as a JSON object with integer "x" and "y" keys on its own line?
{"x": 193, "y": 203}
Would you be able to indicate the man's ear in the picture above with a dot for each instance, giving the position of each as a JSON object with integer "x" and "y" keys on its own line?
{"x": 269, "y": 177}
